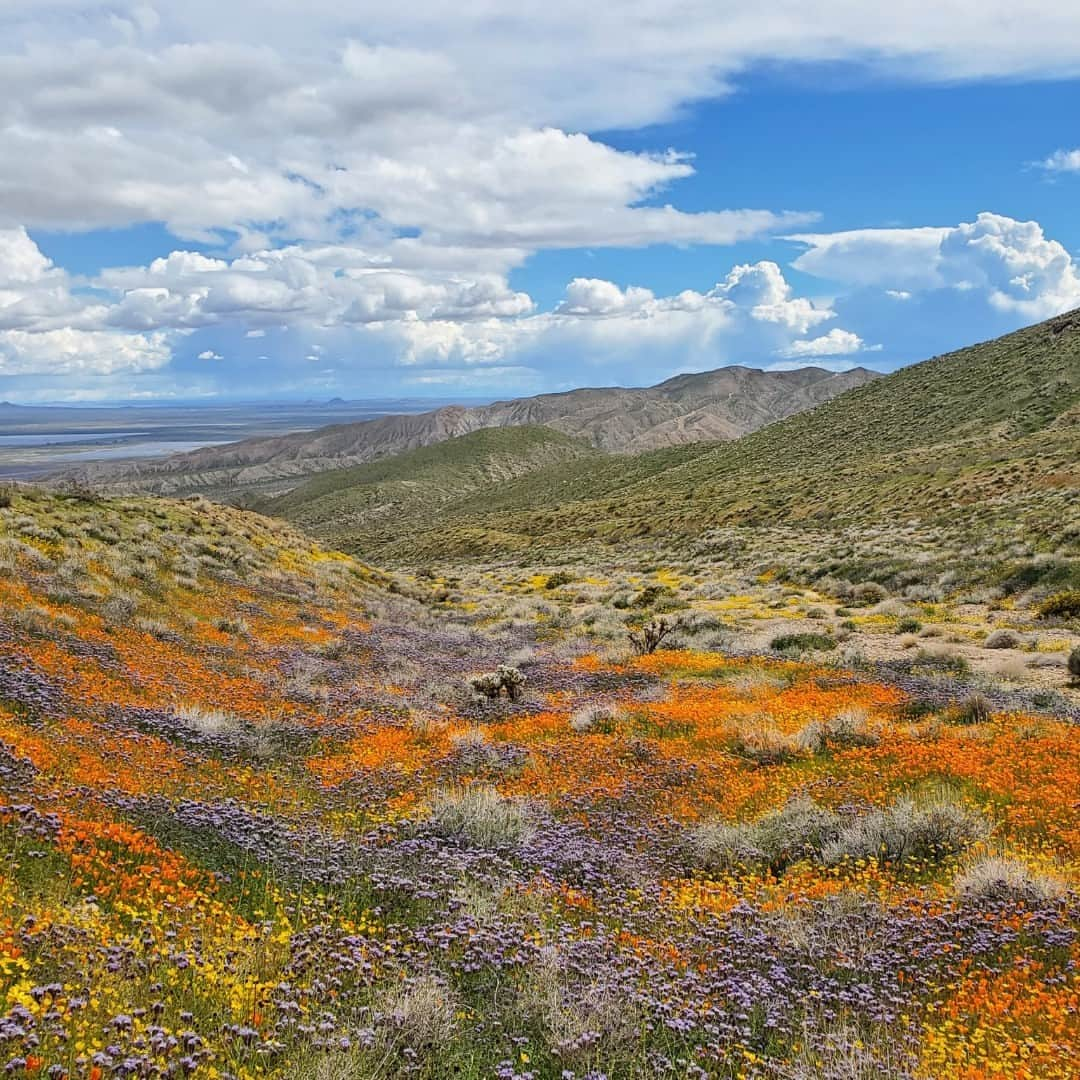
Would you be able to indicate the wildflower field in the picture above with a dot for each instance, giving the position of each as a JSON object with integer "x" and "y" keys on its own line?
{"x": 254, "y": 823}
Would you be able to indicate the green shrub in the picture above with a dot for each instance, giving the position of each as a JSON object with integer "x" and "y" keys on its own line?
{"x": 801, "y": 642}
{"x": 796, "y": 831}
{"x": 558, "y": 579}
{"x": 1062, "y": 605}
{"x": 908, "y": 625}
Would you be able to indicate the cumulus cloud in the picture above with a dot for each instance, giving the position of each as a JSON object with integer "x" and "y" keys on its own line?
{"x": 1012, "y": 263}
{"x": 836, "y": 342}
{"x": 377, "y": 172}
{"x": 751, "y": 314}
{"x": 1062, "y": 161}
{"x": 78, "y": 352}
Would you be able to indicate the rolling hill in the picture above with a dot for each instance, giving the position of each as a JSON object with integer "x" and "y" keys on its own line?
{"x": 714, "y": 405}
{"x": 986, "y": 433}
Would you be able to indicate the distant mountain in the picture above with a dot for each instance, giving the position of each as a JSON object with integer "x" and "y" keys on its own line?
{"x": 986, "y": 436}
{"x": 714, "y": 405}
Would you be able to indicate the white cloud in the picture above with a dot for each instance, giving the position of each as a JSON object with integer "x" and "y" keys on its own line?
{"x": 1012, "y": 263}
{"x": 750, "y": 314}
{"x": 836, "y": 342}
{"x": 209, "y": 354}
{"x": 80, "y": 352}
{"x": 1062, "y": 161}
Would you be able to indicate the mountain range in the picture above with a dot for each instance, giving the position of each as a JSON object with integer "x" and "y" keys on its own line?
{"x": 714, "y": 405}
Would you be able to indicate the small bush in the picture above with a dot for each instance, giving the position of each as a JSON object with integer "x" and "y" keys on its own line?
{"x": 765, "y": 744}
{"x": 908, "y": 625}
{"x": 798, "y": 830}
{"x": 558, "y": 579}
{"x": 907, "y": 830}
{"x": 1062, "y": 605}
{"x": 869, "y": 592}
{"x": 975, "y": 710}
{"x": 1002, "y": 639}
{"x": 594, "y": 718}
{"x": 1073, "y": 664}
{"x": 850, "y": 728}
{"x": 998, "y": 877}
{"x": 802, "y": 642}
{"x": 7, "y": 495}
{"x": 481, "y": 815}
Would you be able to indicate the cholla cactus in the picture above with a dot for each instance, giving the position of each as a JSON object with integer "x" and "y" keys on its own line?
{"x": 492, "y": 683}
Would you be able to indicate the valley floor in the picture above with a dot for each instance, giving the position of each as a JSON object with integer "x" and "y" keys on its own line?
{"x": 256, "y": 823}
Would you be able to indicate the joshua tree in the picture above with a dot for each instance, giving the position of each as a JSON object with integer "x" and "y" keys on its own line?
{"x": 652, "y": 635}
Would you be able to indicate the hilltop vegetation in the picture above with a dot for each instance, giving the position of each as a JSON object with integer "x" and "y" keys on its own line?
{"x": 382, "y": 496}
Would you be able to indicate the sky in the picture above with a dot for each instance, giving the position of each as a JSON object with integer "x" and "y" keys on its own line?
{"x": 216, "y": 201}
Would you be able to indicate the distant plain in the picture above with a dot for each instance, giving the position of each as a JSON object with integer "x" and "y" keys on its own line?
{"x": 36, "y": 441}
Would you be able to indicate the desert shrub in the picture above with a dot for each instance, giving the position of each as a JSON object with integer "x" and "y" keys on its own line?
{"x": 594, "y": 718}
{"x": 40, "y": 622}
{"x": 1062, "y": 605}
{"x": 558, "y": 579}
{"x": 850, "y": 728}
{"x": 423, "y": 1010}
{"x": 798, "y": 830}
{"x": 480, "y": 815}
{"x": 869, "y": 592}
{"x": 7, "y": 495}
{"x": 493, "y": 684}
{"x": 908, "y": 830}
{"x": 802, "y": 642}
{"x": 975, "y": 709}
{"x": 1002, "y": 639}
{"x": 583, "y": 1019}
{"x": 208, "y": 721}
{"x": 228, "y": 625}
{"x": 1073, "y": 664}
{"x": 908, "y": 625}
{"x": 472, "y": 752}
{"x": 765, "y": 744}
{"x": 999, "y": 877}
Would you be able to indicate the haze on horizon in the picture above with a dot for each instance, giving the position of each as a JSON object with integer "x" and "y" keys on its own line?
{"x": 198, "y": 204}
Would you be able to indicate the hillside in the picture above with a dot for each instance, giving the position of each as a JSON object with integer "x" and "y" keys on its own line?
{"x": 383, "y": 494}
{"x": 260, "y": 819}
{"x": 986, "y": 433}
{"x": 713, "y": 405}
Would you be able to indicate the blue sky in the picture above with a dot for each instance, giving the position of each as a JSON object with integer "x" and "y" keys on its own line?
{"x": 197, "y": 207}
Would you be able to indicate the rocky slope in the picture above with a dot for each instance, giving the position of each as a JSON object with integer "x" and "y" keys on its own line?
{"x": 715, "y": 405}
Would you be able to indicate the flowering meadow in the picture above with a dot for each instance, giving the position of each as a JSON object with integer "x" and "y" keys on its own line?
{"x": 254, "y": 823}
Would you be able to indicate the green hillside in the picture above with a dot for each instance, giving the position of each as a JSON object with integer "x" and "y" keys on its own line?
{"x": 987, "y": 433}
{"x": 372, "y": 500}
